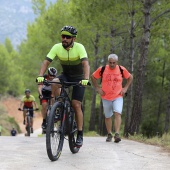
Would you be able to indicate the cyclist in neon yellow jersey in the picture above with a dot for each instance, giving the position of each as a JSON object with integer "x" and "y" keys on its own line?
{"x": 74, "y": 61}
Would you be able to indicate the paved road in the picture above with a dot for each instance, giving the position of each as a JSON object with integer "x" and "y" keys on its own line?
{"x": 29, "y": 153}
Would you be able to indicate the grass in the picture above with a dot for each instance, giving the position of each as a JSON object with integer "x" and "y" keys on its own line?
{"x": 163, "y": 141}
{"x": 7, "y": 123}
{"x": 91, "y": 134}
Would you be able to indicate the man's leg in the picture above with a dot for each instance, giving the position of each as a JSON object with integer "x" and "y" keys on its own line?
{"x": 44, "y": 114}
{"x": 108, "y": 111}
{"x": 44, "y": 110}
{"x": 117, "y": 122}
{"x": 79, "y": 114}
{"x": 108, "y": 122}
{"x": 117, "y": 105}
{"x": 55, "y": 90}
{"x": 79, "y": 120}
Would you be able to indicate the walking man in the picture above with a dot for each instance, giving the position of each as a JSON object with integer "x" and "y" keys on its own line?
{"x": 112, "y": 92}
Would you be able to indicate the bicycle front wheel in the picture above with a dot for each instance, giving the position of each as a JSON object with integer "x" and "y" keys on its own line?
{"x": 55, "y": 132}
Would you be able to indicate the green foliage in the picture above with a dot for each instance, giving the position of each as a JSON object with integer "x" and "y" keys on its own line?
{"x": 7, "y": 123}
{"x": 4, "y": 71}
{"x": 104, "y": 27}
{"x": 150, "y": 129}
{"x": 87, "y": 116}
{"x": 39, "y": 6}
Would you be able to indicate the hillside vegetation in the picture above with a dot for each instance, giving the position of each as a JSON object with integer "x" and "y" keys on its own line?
{"x": 7, "y": 122}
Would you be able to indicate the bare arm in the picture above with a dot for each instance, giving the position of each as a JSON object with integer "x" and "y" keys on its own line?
{"x": 128, "y": 83}
{"x": 35, "y": 104}
{"x": 94, "y": 82}
{"x": 44, "y": 66}
{"x": 96, "y": 85}
{"x": 40, "y": 89}
{"x": 86, "y": 69}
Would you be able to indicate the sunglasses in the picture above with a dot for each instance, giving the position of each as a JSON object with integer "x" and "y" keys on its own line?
{"x": 66, "y": 36}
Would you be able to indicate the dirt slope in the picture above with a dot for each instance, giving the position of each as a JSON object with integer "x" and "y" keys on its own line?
{"x": 11, "y": 105}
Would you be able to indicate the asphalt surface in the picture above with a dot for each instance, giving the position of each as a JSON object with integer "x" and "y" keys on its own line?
{"x": 29, "y": 153}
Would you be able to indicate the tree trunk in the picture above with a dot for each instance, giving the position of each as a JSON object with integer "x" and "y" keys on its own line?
{"x": 100, "y": 124}
{"x": 129, "y": 97}
{"x": 93, "y": 111}
{"x": 93, "y": 105}
{"x": 160, "y": 98}
{"x": 167, "y": 119}
{"x": 137, "y": 107}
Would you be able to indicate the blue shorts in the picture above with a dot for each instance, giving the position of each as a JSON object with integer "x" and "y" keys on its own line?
{"x": 111, "y": 106}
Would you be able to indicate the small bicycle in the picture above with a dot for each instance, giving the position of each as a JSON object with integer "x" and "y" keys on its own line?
{"x": 28, "y": 120}
{"x": 61, "y": 123}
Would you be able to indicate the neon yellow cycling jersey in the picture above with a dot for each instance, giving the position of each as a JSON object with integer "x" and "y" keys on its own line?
{"x": 71, "y": 60}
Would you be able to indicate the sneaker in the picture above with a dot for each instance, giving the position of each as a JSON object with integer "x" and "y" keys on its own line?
{"x": 43, "y": 125}
{"x": 24, "y": 122}
{"x": 79, "y": 141}
{"x": 109, "y": 137}
{"x": 117, "y": 138}
{"x": 32, "y": 130}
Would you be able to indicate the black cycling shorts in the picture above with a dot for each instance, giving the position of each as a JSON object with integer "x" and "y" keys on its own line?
{"x": 77, "y": 91}
{"x": 31, "y": 111}
{"x": 46, "y": 95}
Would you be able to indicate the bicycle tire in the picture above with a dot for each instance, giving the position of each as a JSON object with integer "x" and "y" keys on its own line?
{"x": 55, "y": 133}
{"x": 28, "y": 128}
{"x": 72, "y": 134}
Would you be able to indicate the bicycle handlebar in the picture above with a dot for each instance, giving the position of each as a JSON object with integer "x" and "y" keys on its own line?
{"x": 28, "y": 109}
{"x": 64, "y": 83}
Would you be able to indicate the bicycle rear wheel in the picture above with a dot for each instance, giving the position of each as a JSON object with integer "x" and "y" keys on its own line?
{"x": 28, "y": 127}
{"x": 55, "y": 132}
{"x": 72, "y": 134}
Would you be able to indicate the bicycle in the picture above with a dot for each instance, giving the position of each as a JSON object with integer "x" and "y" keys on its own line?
{"x": 28, "y": 120}
{"x": 61, "y": 123}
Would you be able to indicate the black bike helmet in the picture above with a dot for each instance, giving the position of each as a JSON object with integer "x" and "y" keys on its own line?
{"x": 27, "y": 91}
{"x": 69, "y": 30}
{"x": 52, "y": 71}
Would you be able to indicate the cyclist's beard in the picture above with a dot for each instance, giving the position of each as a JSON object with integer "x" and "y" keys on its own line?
{"x": 66, "y": 45}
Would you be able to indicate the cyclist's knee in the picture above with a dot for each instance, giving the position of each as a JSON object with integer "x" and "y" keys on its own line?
{"x": 55, "y": 80}
{"x": 76, "y": 104}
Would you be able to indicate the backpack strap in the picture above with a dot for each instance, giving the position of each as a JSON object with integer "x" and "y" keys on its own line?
{"x": 121, "y": 70}
{"x": 101, "y": 72}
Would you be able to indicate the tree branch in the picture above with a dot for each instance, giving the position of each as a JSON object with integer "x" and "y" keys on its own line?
{"x": 153, "y": 1}
{"x": 154, "y": 19}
